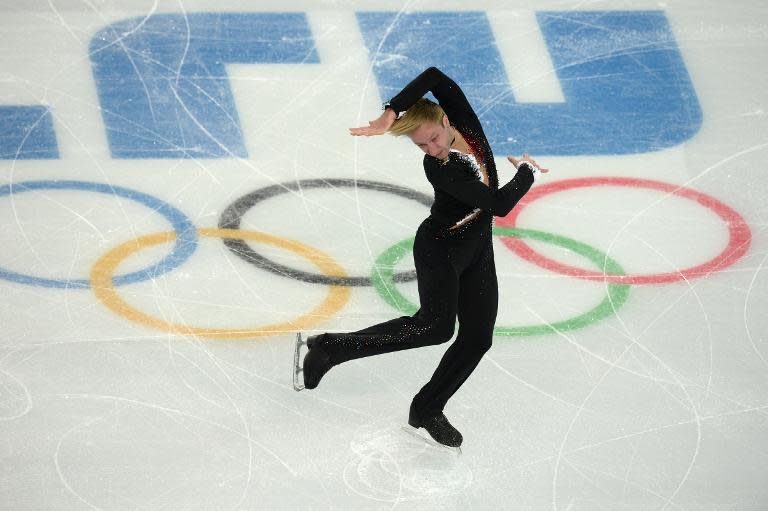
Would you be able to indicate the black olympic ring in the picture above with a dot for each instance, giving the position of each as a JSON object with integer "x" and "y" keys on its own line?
{"x": 233, "y": 214}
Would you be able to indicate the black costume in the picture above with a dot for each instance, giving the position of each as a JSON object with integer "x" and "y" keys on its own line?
{"x": 453, "y": 255}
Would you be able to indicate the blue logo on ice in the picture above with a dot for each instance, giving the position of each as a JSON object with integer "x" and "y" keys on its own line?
{"x": 625, "y": 83}
{"x": 162, "y": 83}
{"x": 26, "y": 132}
{"x": 164, "y": 90}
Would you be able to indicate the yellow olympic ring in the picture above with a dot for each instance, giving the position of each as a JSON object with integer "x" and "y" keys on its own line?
{"x": 104, "y": 269}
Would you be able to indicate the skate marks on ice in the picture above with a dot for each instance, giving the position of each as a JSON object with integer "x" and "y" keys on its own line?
{"x": 15, "y": 401}
{"x": 391, "y": 465}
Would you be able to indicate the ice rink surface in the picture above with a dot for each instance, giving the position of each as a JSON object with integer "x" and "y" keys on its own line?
{"x": 179, "y": 194}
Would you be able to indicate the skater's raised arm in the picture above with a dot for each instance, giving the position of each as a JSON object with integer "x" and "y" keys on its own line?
{"x": 446, "y": 91}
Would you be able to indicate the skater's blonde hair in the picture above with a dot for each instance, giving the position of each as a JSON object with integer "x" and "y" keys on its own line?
{"x": 422, "y": 111}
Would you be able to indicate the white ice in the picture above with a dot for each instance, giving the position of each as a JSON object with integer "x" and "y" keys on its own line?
{"x": 660, "y": 406}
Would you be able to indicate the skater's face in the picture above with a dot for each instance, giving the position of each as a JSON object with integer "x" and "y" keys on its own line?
{"x": 434, "y": 138}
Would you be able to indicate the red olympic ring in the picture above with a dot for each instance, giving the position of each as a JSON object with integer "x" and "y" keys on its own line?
{"x": 739, "y": 234}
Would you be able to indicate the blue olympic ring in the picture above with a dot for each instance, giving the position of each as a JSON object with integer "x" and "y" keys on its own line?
{"x": 186, "y": 233}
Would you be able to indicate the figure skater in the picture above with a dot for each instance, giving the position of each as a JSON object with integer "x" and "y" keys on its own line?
{"x": 452, "y": 251}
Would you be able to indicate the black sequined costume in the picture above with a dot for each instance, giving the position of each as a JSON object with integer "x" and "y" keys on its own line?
{"x": 453, "y": 255}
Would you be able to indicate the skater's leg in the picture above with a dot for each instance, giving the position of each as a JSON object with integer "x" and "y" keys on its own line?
{"x": 477, "y": 307}
{"x": 434, "y": 323}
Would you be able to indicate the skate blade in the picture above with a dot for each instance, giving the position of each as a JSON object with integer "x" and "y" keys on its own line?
{"x": 298, "y": 369}
{"x": 424, "y": 437}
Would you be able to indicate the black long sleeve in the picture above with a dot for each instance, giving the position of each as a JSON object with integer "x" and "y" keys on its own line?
{"x": 454, "y": 179}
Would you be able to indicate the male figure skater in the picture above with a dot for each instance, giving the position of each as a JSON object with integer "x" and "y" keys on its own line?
{"x": 452, "y": 251}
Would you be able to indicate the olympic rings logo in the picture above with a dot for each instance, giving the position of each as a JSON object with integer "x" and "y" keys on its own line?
{"x": 185, "y": 236}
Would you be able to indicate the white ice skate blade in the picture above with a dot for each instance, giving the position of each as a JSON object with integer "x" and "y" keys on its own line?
{"x": 297, "y": 369}
{"x": 424, "y": 437}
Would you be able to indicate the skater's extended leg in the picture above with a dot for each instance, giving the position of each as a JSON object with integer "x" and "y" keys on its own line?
{"x": 434, "y": 323}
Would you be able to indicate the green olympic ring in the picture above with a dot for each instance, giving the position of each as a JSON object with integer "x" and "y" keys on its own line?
{"x": 617, "y": 294}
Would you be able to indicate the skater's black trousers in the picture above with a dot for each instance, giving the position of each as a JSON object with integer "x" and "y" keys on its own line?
{"x": 456, "y": 279}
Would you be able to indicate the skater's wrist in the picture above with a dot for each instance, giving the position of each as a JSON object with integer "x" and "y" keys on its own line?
{"x": 532, "y": 167}
{"x": 389, "y": 110}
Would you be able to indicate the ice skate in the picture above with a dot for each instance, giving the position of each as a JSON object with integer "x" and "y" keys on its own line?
{"x": 440, "y": 432}
{"x": 297, "y": 369}
{"x": 316, "y": 363}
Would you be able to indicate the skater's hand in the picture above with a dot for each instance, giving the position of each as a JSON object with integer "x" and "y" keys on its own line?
{"x": 377, "y": 126}
{"x": 514, "y": 161}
